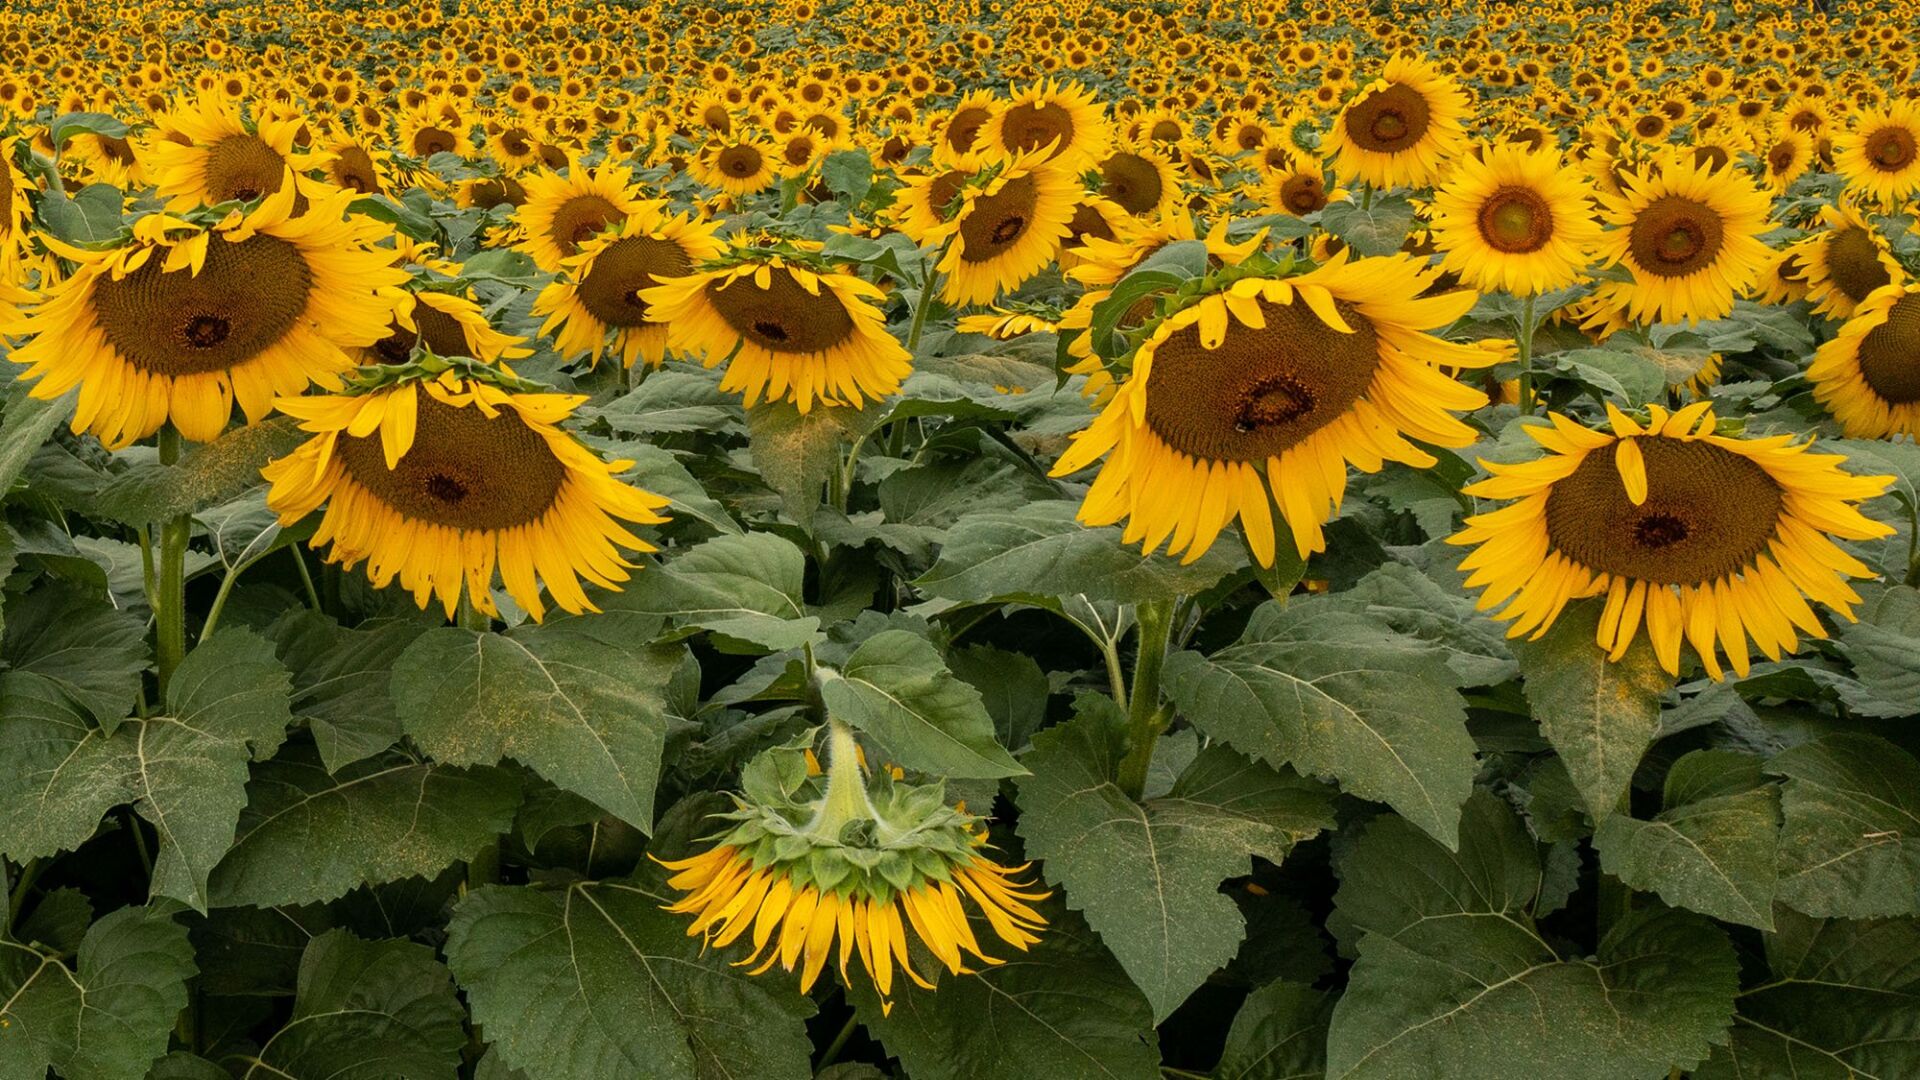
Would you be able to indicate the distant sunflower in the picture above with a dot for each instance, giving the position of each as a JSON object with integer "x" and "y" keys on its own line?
{"x": 224, "y": 158}
{"x": 1784, "y": 156}
{"x": 1881, "y": 155}
{"x": 513, "y": 146}
{"x": 1296, "y": 187}
{"x": 1064, "y": 123}
{"x": 1868, "y": 376}
{"x": 1264, "y": 393}
{"x": 442, "y": 487}
{"x": 1401, "y": 129}
{"x": 184, "y": 320}
{"x": 1845, "y": 262}
{"x": 957, "y": 140}
{"x": 1513, "y": 218}
{"x": 1690, "y": 237}
{"x": 1142, "y": 180}
{"x": 739, "y": 165}
{"x": 599, "y": 289}
{"x": 448, "y": 324}
{"x": 438, "y": 125}
{"x": 356, "y": 164}
{"x": 786, "y": 331}
{"x": 563, "y": 212}
{"x": 1703, "y": 536}
{"x": 14, "y": 209}
{"x": 1008, "y": 229}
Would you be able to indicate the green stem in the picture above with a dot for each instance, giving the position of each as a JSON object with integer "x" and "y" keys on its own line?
{"x": 1116, "y": 678}
{"x": 472, "y": 618}
{"x": 170, "y": 597}
{"x": 838, "y": 1044}
{"x": 1615, "y": 899}
{"x": 1146, "y": 718}
{"x": 927, "y": 282}
{"x": 1366, "y": 197}
{"x": 132, "y": 825}
{"x": 1525, "y": 341}
{"x": 29, "y": 873}
{"x": 846, "y": 798}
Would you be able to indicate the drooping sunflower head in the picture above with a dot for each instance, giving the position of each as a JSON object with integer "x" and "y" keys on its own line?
{"x": 1401, "y": 128}
{"x": 740, "y": 164}
{"x": 1294, "y": 184}
{"x": 1260, "y": 391}
{"x": 1515, "y": 219}
{"x": 1011, "y": 221}
{"x": 1062, "y": 122}
{"x": 597, "y": 296}
{"x": 219, "y": 157}
{"x": 1868, "y": 376}
{"x": 443, "y": 480}
{"x": 562, "y": 212}
{"x": 1690, "y": 236}
{"x": 1846, "y": 262}
{"x": 1708, "y": 538}
{"x": 1880, "y": 156}
{"x": 189, "y": 317}
{"x": 788, "y": 325}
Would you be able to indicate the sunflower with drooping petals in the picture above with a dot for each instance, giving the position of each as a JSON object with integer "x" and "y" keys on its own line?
{"x": 437, "y": 125}
{"x": 1515, "y": 219}
{"x": 924, "y": 204}
{"x": 957, "y": 143}
{"x": 1868, "y": 376}
{"x": 1705, "y": 538}
{"x": 1009, "y": 226}
{"x": 440, "y": 481}
{"x": 447, "y": 323}
{"x": 598, "y": 292}
{"x": 563, "y": 212}
{"x": 1401, "y": 129}
{"x": 788, "y": 326}
{"x": 1062, "y": 123}
{"x": 1262, "y": 392}
{"x": 1846, "y": 262}
{"x": 223, "y": 158}
{"x": 1880, "y": 156}
{"x": 188, "y": 318}
{"x": 1690, "y": 236}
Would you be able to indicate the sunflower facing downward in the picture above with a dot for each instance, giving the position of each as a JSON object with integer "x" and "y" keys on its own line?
{"x": 1264, "y": 391}
{"x": 1702, "y": 536}
{"x": 1512, "y": 218}
{"x": 188, "y": 318}
{"x": 1881, "y": 155}
{"x": 440, "y": 481}
{"x": 599, "y": 290}
{"x": 1011, "y": 223}
{"x": 1868, "y": 376}
{"x": 1691, "y": 238}
{"x": 1401, "y": 129}
{"x": 563, "y": 212}
{"x": 787, "y": 325}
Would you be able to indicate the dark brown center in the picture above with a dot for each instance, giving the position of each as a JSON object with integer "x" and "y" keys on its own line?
{"x": 505, "y": 191}
{"x": 610, "y": 291}
{"x": 999, "y": 220}
{"x": 1303, "y": 193}
{"x": 739, "y": 162}
{"x": 464, "y": 470}
{"x": 1516, "y": 220}
{"x": 430, "y": 140}
{"x": 579, "y": 220}
{"x": 783, "y": 317}
{"x": 1853, "y": 263}
{"x": 1891, "y": 149}
{"x": 1132, "y": 181}
{"x": 1030, "y": 126}
{"x": 1890, "y": 353}
{"x": 353, "y": 170}
{"x": 244, "y": 300}
{"x": 1389, "y": 121}
{"x": 243, "y": 168}
{"x": 1675, "y": 236}
{"x": 964, "y": 127}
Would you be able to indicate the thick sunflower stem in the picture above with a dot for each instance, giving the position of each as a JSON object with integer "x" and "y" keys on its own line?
{"x": 927, "y": 282}
{"x": 846, "y": 798}
{"x": 1525, "y": 342}
{"x": 169, "y": 599}
{"x": 1146, "y": 717}
{"x": 468, "y": 617}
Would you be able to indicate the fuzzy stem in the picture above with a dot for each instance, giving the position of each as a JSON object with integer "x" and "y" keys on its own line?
{"x": 468, "y": 617}
{"x": 306, "y": 577}
{"x": 1525, "y": 342}
{"x": 170, "y": 595}
{"x": 846, "y": 797}
{"x": 1146, "y": 718}
{"x": 927, "y": 282}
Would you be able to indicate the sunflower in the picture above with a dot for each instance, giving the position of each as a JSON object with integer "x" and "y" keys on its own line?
{"x": 957, "y": 138}
{"x": 787, "y": 327}
{"x": 512, "y": 145}
{"x": 1296, "y": 187}
{"x": 599, "y": 289}
{"x": 1690, "y": 237}
{"x": 437, "y": 125}
{"x": 1784, "y": 157}
{"x": 487, "y": 192}
{"x": 563, "y": 212}
{"x": 1063, "y": 123}
{"x": 1515, "y": 219}
{"x": 1868, "y": 376}
{"x": 1095, "y": 218}
{"x": 448, "y": 324}
{"x": 1010, "y": 225}
{"x": 356, "y": 164}
{"x": 922, "y": 205}
{"x": 14, "y": 210}
{"x": 223, "y": 158}
{"x": 1844, "y": 263}
{"x": 1881, "y": 155}
{"x": 1166, "y": 126}
{"x": 739, "y": 165}
{"x": 1401, "y": 129}
{"x": 440, "y": 480}
{"x": 186, "y": 318}
{"x": 1141, "y": 179}
{"x": 1294, "y": 378}
{"x": 1707, "y": 536}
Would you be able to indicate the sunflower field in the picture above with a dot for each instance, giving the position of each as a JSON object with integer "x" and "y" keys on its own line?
{"x": 959, "y": 541}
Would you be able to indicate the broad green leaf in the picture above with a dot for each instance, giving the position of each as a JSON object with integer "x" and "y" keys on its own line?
{"x": 367, "y": 1010}
{"x": 896, "y": 688}
{"x": 1850, "y": 847}
{"x": 181, "y": 1065}
{"x": 595, "y": 980}
{"x": 208, "y": 475}
{"x": 58, "y": 920}
{"x": 745, "y": 587}
{"x": 1378, "y": 229}
{"x": 1341, "y": 694}
{"x": 106, "y": 1018}
{"x": 65, "y": 126}
{"x": 1884, "y": 647}
{"x": 1455, "y": 979}
{"x": 848, "y": 174}
{"x": 1012, "y": 687}
{"x": 1416, "y": 605}
{"x": 342, "y": 680}
{"x": 94, "y": 652}
{"x": 1600, "y": 715}
{"x": 1712, "y": 849}
{"x": 1061, "y": 1009}
{"x": 578, "y": 700}
{"x": 184, "y": 771}
{"x": 1147, "y": 876}
{"x": 93, "y": 214}
{"x": 308, "y": 835}
{"x": 797, "y": 452}
{"x": 671, "y": 401}
{"x": 24, "y": 426}
{"x": 1040, "y": 550}
{"x": 1280, "y": 1033}
{"x": 658, "y": 470}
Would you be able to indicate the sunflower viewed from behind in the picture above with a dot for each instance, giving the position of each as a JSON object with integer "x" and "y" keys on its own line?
{"x": 1868, "y": 376}
{"x": 1401, "y": 129}
{"x": 190, "y": 317}
{"x": 563, "y": 212}
{"x": 1513, "y": 218}
{"x": 1705, "y": 538}
{"x": 598, "y": 291}
{"x": 1690, "y": 236}
{"x": 441, "y": 481}
{"x": 1880, "y": 156}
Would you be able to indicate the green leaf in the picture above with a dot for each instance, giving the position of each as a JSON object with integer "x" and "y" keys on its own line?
{"x": 796, "y": 453}
{"x": 671, "y": 401}
{"x": 1455, "y": 979}
{"x": 1040, "y": 550}
{"x": 95, "y": 653}
{"x": 1416, "y": 605}
{"x": 1599, "y": 715}
{"x": 368, "y": 1010}
{"x": 65, "y": 126}
{"x": 24, "y": 426}
{"x": 1061, "y": 1009}
{"x": 1280, "y": 1033}
{"x": 109, "y": 1016}
{"x": 1012, "y": 687}
{"x": 848, "y": 174}
{"x": 578, "y": 700}
{"x": 91, "y": 215}
{"x": 1714, "y": 846}
{"x": 1341, "y": 694}
{"x": 308, "y": 835}
{"x": 185, "y": 772}
{"x": 342, "y": 680}
{"x": 1379, "y": 229}
{"x": 1147, "y": 876}
{"x": 1884, "y": 648}
{"x": 1850, "y": 847}
{"x": 745, "y": 587}
{"x": 896, "y": 688}
{"x": 208, "y": 475}
{"x": 595, "y": 980}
